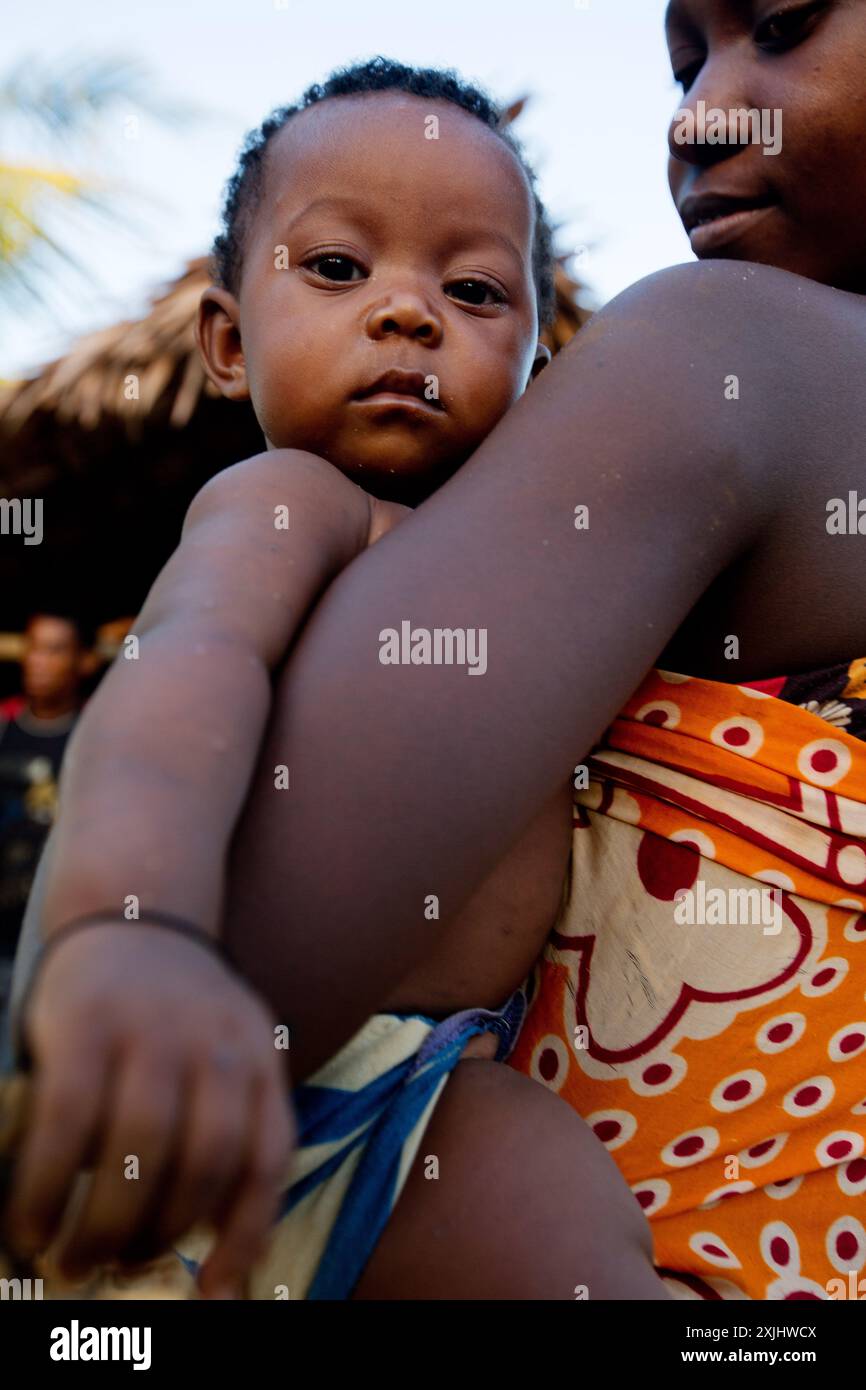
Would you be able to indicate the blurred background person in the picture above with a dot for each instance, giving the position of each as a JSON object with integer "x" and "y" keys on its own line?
{"x": 57, "y": 662}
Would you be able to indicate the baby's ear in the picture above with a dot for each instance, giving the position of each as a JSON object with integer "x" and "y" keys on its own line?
{"x": 218, "y": 338}
{"x": 543, "y": 355}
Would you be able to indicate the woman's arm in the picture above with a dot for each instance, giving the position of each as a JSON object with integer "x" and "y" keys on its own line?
{"x": 412, "y": 781}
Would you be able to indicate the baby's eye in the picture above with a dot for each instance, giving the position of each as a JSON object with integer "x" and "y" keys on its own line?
{"x": 337, "y": 267}
{"x": 470, "y": 288}
{"x": 787, "y": 27}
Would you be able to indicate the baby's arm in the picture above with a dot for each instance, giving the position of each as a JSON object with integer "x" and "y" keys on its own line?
{"x": 135, "y": 1030}
{"x": 159, "y": 763}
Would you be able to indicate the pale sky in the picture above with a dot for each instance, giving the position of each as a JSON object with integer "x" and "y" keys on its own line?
{"x": 597, "y": 71}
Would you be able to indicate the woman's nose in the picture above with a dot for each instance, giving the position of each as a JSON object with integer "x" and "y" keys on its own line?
{"x": 702, "y": 132}
{"x": 405, "y": 313}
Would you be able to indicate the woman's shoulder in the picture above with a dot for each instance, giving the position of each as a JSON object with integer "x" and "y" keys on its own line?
{"x": 716, "y": 298}
{"x": 755, "y": 350}
{"x": 726, "y": 367}
{"x": 707, "y": 277}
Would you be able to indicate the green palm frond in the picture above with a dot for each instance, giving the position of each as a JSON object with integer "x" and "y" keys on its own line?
{"x": 69, "y": 100}
{"x": 26, "y": 245}
{"x": 65, "y": 103}
{"x": 22, "y": 188}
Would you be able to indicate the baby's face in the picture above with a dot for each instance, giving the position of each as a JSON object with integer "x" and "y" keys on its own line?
{"x": 804, "y": 208}
{"x": 376, "y": 248}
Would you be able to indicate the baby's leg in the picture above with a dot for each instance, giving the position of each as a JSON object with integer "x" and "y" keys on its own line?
{"x": 527, "y": 1204}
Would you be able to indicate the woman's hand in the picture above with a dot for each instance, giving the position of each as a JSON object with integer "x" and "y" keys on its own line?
{"x": 157, "y": 1068}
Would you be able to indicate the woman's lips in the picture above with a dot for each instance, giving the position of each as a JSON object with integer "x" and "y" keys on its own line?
{"x": 708, "y": 237}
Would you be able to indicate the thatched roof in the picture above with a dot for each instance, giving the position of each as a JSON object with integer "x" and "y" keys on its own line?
{"x": 116, "y": 475}
{"x": 91, "y": 380}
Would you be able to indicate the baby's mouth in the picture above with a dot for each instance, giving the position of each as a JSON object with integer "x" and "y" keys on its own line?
{"x": 392, "y": 400}
{"x": 399, "y": 389}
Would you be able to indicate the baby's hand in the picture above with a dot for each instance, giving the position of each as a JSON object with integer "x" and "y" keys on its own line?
{"x": 156, "y": 1067}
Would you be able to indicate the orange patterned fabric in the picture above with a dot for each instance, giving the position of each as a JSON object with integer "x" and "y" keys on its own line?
{"x": 713, "y": 1038}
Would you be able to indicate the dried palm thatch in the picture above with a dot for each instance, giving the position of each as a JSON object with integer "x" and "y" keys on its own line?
{"x": 115, "y": 438}
{"x": 118, "y": 435}
{"x": 123, "y": 371}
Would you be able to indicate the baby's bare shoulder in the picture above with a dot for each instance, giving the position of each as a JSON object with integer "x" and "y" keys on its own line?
{"x": 259, "y": 543}
{"x": 282, "y": 479}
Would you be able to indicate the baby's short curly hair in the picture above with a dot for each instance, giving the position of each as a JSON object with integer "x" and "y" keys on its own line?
{"x": 244, "y": 188}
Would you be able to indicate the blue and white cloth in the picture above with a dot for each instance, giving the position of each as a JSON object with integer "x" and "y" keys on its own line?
{"x": 361, "y": 1119}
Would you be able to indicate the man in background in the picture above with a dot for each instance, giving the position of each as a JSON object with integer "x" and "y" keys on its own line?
{"x": 34, "y": 730}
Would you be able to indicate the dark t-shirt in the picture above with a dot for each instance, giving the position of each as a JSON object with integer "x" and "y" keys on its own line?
{"x": 31, "y": 751}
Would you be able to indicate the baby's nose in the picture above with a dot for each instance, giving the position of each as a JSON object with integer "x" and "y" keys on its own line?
{"x": 407, "y": 313}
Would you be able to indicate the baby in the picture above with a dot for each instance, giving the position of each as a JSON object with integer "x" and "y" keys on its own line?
{"x": 382, "y": 279}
